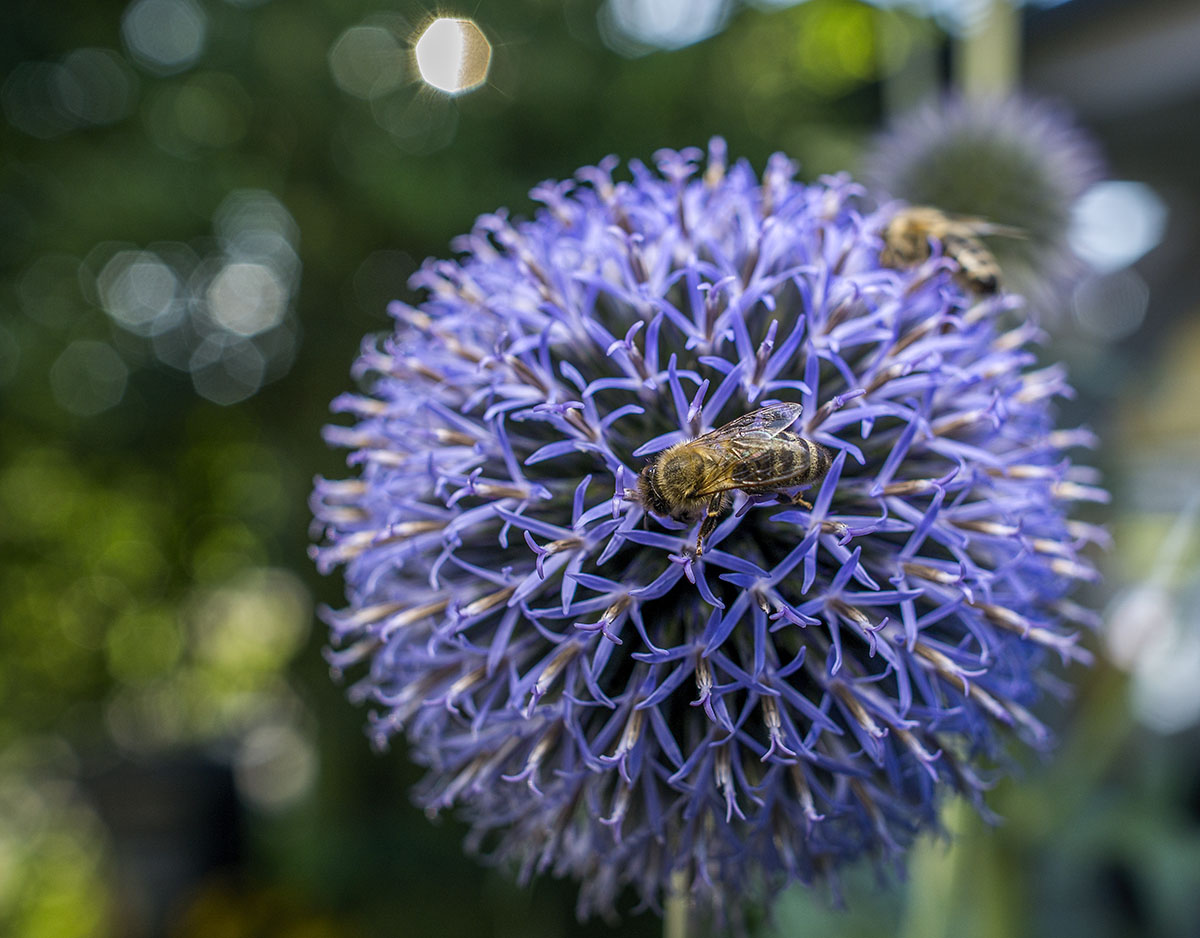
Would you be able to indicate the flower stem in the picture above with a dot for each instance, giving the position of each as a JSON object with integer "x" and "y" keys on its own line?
{"x": 677, "y": 913}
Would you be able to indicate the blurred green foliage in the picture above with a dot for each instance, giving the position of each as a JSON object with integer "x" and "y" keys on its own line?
{"x": 155, "y": 596}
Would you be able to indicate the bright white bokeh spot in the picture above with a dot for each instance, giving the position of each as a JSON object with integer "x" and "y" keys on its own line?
{"x": 88, "y": 377}
{"x": 1116, "y": 222}
{"x": 165, "y": 36}
{"x": 135, "y": 288}
{"x": 367, "y": 61}
{"x": 453, "y": 55}
{"x": 632, "y": 26}
{"x": 247, "y": 298}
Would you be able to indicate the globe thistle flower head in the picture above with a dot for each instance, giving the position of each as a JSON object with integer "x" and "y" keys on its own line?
{"x": 595, "y": 697}
{"x": 1012, "y": 161}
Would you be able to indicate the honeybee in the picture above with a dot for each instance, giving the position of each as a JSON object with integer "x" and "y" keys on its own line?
{"x": 906, "y": 244}
{"x": 754, "y": 453}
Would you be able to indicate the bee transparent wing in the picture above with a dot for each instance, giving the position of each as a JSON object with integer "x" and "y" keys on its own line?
{"x": 977, "y": 226}
{"x": 983, "y": 227}
{"x": 764, "y": 424}
{"x": 933, "y": 222}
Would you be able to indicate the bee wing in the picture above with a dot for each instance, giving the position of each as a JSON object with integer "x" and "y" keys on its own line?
{"x": 746, "y": 464}
{"x": 1004, "y": 231}
{"x": 975, "y": 225}
{"x": 764, "y": 424}
{"x": 938, "y": 223}
{"x": 739, "y": 444}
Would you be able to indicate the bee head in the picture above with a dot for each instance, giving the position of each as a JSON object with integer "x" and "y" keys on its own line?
{"x": 648, "y": 495}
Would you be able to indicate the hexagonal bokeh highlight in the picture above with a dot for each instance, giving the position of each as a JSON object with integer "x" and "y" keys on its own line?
{"x": 453, "y": 55}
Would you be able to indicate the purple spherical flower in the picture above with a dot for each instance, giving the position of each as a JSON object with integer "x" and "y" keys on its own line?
{"x": 595, "y": 697}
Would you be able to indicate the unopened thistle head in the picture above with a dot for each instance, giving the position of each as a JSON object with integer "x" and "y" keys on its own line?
{"x": 1011, "y": 161}
{"x": 595, "y": 698}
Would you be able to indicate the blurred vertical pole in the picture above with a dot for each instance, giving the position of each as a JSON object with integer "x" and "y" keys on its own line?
{"x": 987, "y": 58}
{"x": 677, "y": 911}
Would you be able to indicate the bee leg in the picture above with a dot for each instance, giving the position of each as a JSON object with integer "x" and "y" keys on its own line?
{"x": 716, "y": 506}
{"x": 799, "y": 499}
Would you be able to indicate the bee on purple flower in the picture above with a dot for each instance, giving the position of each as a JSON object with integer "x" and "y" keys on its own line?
{"x": 593, "y": 694}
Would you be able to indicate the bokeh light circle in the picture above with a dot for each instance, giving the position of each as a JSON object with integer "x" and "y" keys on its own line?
{"x": 137, "y": 287}
{"x": 164, "y": 36}
{"x": 247, "y": 298}
{"x": 453, "y": 55}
